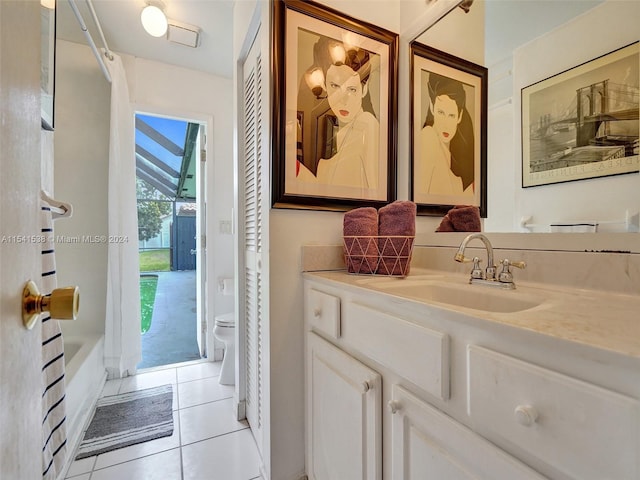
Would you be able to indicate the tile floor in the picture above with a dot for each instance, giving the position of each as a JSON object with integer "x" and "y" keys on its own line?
{"x": 207, "y": 442}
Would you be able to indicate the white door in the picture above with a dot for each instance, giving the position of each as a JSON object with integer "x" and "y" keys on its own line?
{"x": 20, "y": 349}
{"x": 201, "y": 244}
{"x": 253, "y": 186}
{"x": 344, "y": 417}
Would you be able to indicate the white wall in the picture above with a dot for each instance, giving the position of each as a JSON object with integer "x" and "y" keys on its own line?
{"x": 81, "y": 141}
{"x": 162, "y": 89}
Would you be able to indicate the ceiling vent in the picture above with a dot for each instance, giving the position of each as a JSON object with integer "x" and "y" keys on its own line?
{"x": 183, "y": 33}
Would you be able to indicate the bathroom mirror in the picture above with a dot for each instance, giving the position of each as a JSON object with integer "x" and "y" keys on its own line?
{"x": 47, "y": 60}
{"x": 523, "y": 42}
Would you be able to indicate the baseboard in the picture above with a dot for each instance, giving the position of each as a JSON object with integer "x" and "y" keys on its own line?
{"x": 241, "y": 409}
{"x": 75, "y": 438}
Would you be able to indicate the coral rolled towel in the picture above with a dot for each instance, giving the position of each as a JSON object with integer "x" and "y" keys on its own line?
{"x": 462, "y": 218}
{"x": 396, "y": 219}
{"x": 361, "y": 253}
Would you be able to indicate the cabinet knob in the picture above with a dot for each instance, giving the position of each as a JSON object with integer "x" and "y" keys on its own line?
{"x": 394, "y": 406}
{"x": 366, "y": 386}
{"x": 526, "y": 415}
{"x": 317, "y": 312}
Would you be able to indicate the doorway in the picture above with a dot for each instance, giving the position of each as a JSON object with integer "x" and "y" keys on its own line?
{"x": 169, "y": 186}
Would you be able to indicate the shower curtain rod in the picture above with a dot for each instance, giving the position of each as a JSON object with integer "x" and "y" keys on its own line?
{"x": 87, "y": 35}
{"x": 107, "y": 52}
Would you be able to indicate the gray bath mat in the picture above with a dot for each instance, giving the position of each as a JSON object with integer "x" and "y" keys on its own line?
{"x": 127, "y": 419}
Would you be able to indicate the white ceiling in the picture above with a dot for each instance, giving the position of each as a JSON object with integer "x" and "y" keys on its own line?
{"x": 120, "y": 21}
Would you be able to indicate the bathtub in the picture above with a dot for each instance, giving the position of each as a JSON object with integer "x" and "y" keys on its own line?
{"x": 85, "y": 375}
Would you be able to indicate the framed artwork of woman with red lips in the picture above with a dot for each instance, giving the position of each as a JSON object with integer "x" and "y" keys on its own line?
{"x": 335, "y": 121}
{"x": 448, "y": 133}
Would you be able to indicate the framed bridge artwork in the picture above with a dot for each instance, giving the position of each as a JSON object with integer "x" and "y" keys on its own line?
{"x": 583, "y": 123}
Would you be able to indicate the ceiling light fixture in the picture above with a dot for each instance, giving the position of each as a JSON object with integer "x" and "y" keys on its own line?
{"x": 153, "y": 19}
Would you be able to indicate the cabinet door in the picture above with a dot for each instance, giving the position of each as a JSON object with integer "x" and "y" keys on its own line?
{"x": 427, "y": 444}
{"x": 343, "y": 415}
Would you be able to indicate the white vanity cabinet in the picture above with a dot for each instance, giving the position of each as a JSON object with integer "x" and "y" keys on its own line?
{"x": 399, "y": 390}
{"x": 344, "y": 406}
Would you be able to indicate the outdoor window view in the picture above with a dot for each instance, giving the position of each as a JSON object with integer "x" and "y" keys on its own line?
{"x": 166, "y": 192}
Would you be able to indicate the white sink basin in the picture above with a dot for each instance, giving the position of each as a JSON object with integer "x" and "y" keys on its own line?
{"x": 476, "y": 297}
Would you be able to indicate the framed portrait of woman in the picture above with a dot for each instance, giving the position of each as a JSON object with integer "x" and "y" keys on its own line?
{"x": 448, "y": 132}
{"x": 335, "y": 109}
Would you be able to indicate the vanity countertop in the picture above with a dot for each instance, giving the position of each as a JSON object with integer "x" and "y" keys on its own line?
{"x": 603, "y": 320}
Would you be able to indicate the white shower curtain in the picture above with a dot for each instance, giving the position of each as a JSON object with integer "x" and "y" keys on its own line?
{"x": 122, "y": 331}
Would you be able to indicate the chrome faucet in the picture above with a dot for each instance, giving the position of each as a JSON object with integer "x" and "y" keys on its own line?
{"x": 488, "y": 277}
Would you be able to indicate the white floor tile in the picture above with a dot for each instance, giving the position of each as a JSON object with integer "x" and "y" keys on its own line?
{"x": 215, "y": 446}
{"x": 202, "y": 391}
{"x": 122, "y": 455}
{"x": 84, "y": 476}
{"x": 161, "y": 466}
{"x": 229, "y": 457}
{"x": 81, "y": 466}
{"x": 208, "y": 420}
{"x": 199, "y": 371}
{"x": 148, "y": 380}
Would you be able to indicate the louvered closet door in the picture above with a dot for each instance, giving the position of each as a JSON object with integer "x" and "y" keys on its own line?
{"x": 254, "y": 197}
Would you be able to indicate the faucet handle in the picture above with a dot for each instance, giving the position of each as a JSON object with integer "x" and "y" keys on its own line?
{"x": 505, "y": 275}
{"x": 476, "y": 271}
{"x": 506, "y": 263}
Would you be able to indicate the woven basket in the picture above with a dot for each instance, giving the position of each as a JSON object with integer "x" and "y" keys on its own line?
{"x": 388, "y": 255}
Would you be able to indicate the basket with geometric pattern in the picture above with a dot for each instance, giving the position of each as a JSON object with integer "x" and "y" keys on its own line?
{"x": 388, "y": 255}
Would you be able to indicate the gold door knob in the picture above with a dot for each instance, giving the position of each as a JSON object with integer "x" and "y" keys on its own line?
{"x": 62, "y": 304}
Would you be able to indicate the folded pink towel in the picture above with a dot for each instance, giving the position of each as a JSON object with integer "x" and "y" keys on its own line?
{"x": 396, "y": 219}
{"x": 461, "y": 218}
{"x": 361, "y": 254}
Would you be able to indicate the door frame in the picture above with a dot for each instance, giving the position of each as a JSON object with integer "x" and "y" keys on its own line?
{"x": 206, "y": 304}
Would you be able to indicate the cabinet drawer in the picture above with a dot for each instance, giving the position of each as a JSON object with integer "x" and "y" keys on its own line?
{"x": 418, "y": 354}
{"x": 323, "y": 312}
{"x": 579, "y": 429}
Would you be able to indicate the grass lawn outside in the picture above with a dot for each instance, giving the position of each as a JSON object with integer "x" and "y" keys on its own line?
{"x": 155, "y": 260}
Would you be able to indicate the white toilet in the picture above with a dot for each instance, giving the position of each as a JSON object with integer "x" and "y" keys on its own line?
{"x": 225, "y": 331}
